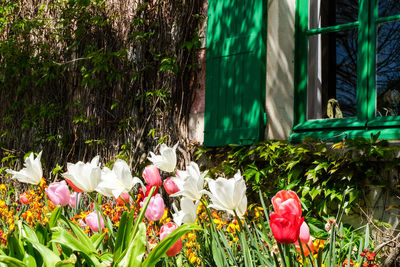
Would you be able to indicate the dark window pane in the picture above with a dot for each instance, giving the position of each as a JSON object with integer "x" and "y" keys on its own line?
{"x": 324, "y": 13}
{"x": 389, "y": 8}
{"x": 332, "y": 75}
{"x": 388, "y": 69}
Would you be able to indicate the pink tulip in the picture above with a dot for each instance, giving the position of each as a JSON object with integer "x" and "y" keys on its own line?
{"x": 304, "y": 233}
{"x": 152, "y": 176}
{"x": 23, "y": 198}
{"x": 165, "y": 230}
{"x": 155, "y": 210}
{"x": 170, "y": 186}
{"x": 58, "y": 193}
{"x": 72, "y": 199}
{"x": 305, "y": 240}
{"x": 92, "y": 220}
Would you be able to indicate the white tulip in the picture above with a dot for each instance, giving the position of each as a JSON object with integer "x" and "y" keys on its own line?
{"x": 116, "y": 181}
{"x": 85, "y": 176}
{"x": 188, "y": 212}
{"x": 167, "y": 160}
{"x": 32, "y": 173}
{"x": 228, "y": 194}
{"x": 190, "y": 182}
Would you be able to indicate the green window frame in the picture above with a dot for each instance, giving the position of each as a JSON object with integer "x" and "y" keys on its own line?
{"x": 365, "y": 123}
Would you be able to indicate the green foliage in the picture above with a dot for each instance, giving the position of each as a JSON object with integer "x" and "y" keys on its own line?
{"x": 319, "y": 172}
{"x": 75, "y": 73}
{"x": 63, "y": 243}
{"x": 256, "y": 245}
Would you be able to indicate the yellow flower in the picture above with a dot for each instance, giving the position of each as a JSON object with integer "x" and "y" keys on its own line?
{"x": 192, "y": 236}
{"x": 192, "y": 258}
{"x": 337, "y": 145}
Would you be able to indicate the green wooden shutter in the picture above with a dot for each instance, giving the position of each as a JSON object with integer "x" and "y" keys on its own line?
{"x": 235, "y": 72}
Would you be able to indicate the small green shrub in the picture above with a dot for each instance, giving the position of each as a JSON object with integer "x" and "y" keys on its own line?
{"x": 316, "y": 170}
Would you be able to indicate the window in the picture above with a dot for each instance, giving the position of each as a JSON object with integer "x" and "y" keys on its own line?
{"x": 347, "y": 62}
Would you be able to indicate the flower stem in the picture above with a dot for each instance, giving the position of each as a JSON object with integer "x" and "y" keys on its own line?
{"x": 44, "y": 196}
{"x": 283, "y": 258}
{"x": 287, "y": 255}
{"x": 239, "y": 221}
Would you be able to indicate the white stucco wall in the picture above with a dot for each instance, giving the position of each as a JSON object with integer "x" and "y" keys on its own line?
{"x": 280, "y": 69}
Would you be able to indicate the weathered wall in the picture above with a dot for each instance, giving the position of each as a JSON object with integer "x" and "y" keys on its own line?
{"x": 196, "y": 116}
{"x": 280, "y": 67}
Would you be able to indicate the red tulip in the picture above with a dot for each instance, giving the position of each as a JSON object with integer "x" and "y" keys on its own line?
{"x": 124, "y": 196}
{"x": 23, "y": 198}
{"x": 151, "y": 175}
{"x": 170, "y": 186}
{"x": 285, "y": 227}
{"x": 286, "y": 201}
{"x": 71, "y": 184}
{"x": 148, "y": 188}
{"x": 165, "y": 230}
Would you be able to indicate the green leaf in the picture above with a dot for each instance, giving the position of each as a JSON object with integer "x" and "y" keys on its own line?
{"x": 41, "y": 233}
{"x": 11, "y": 262}
{"x": 54, "y": 217}
{"x": 49, "y": 257}
{"x": 246, "y": 250}
{"x": 119, "y": 243}
{"x": 80, "y": 235}
{"x": 29, "y": 260}
{"x": 217, "y": 254}
{"x": 97, "y": 239}
{"x": 63, "y": 237}
{"x": 136, "y": 250}
{"x": 15, "y": 247}
{"x": 70, "y": 262}
{"x": 167, "y": 242}
{"x": 29, "y": 234}
{"x": 317, "y": 228}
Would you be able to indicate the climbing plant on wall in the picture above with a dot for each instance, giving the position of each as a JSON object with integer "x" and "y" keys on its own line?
{"x": 82, "y": 77}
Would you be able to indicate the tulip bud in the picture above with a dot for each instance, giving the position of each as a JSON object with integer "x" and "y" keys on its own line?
{"x": 58, "y": 193}
{"x": 152, "y": 176}
{"x": 305, "y": 240}
{"x": 23, "y": 198}
{"x": 155, "y": 209}
{"x": 92, "y": 220}
{"x": 165, "y": 230}
{"x": 170, "y": 186}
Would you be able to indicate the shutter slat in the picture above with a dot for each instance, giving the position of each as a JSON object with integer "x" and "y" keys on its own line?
{"x": 235, "y": 73}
